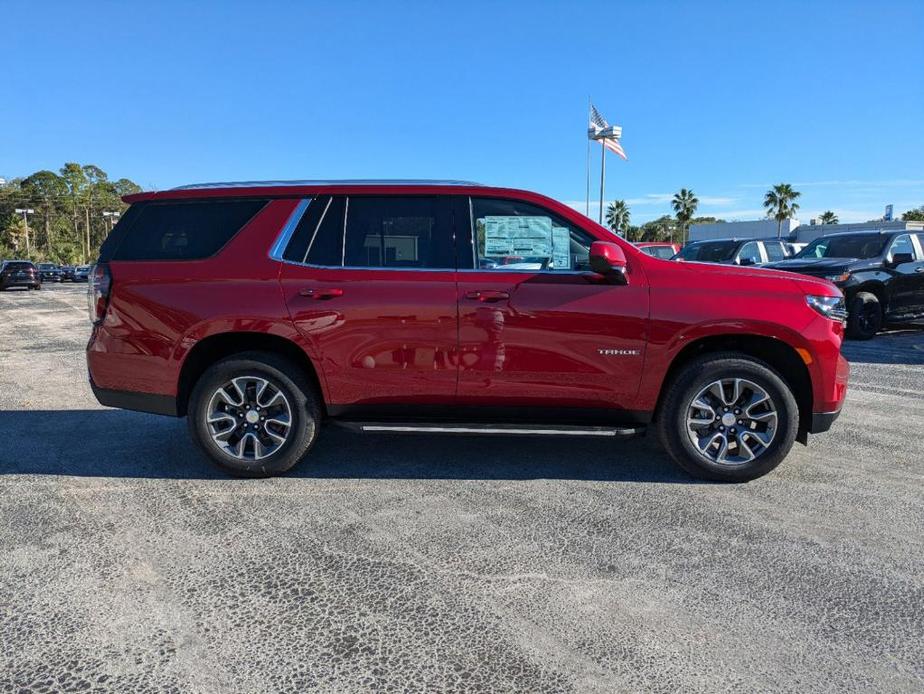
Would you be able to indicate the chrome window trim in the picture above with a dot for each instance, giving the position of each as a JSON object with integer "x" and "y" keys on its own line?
{"x": 285, "y": 235}
{"x": 471, "y": 226}
{"x": 314, "y": 235}
{"x": 365, "y": 267}
{"x": 346, "y": 213}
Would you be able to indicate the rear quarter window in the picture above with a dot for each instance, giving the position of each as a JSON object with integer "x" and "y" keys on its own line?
{"x": 183, "y": 230}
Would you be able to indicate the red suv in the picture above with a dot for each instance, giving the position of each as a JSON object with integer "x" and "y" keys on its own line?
{"x": 262, "y": 310}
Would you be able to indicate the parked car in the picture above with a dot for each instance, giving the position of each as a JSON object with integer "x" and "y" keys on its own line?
{"x": 261, "y": 311}
{"x": 67, "y": 273}
{"x": 49, "y": 272}
{"x": 735, "y": 251}
{"x": 82, "y": 273}
{"x": 19, "y": 273}
{"x": 659, "y": 249}
{"x": 880, "y": 273}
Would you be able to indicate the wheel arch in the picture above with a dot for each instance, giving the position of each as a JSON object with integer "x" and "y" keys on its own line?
{"x": 876, "y": 288}
{"x": 221, "y": 345}
{"x": 779, "y": 355}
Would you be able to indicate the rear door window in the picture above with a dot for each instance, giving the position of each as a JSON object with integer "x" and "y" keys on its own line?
{"x": 184, "y": 230}
{"x": 318, "y": 238}
{"x": 398, "y": 232}
{"x": 775, "y": 250}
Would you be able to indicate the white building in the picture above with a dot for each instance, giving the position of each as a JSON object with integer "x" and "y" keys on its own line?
{"x": 758, "y": 229}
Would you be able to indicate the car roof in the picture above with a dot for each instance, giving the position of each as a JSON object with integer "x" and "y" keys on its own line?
{"x": 313, "y": 187}
{"x": 868, "y": 232}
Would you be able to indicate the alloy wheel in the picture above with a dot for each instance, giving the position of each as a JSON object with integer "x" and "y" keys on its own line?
{"x": 732, "y": 421}
{"x": 249, "y": 418}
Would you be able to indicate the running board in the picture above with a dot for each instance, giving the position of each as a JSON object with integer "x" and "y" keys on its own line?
{"x": 491, "y": 429}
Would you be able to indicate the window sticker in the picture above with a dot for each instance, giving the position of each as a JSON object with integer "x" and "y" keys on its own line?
{"x": 561, "y": 248}
{"x": 525, "y": 237}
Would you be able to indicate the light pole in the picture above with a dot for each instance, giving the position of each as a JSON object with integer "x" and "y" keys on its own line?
{"x": 112, "y": 217}
{"x": 25, "y": 212}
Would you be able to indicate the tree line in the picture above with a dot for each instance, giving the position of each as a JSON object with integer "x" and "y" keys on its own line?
{"x": 779, "y": 201}
{"x": 62, "y": 216}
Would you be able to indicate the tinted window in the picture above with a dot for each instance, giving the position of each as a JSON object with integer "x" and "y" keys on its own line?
{"x": 185, "y": 230}
{"x": 318, "y": 238}
{"x": 709, "y": 251}
{"x": 775, "y": 250}
{"x": 411, "y": 232}
{"x": 17, "y": 265}
{"x": 845, "y": 246}
{"x": 514, "y": 235}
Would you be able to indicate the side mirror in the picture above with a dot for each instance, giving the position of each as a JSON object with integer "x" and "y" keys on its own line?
{"x": 746, "y": 261}
{"x": 607, "y": 259}
{"x": 901, "y": 259}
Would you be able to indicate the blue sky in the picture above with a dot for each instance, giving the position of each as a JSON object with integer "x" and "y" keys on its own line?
{"x": 723, "y": 98}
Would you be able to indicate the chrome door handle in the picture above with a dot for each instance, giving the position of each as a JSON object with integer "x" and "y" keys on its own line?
{"x": 919, "y": 269}
{"x": 488, "y": 295}
{"x": 331, "y": 293}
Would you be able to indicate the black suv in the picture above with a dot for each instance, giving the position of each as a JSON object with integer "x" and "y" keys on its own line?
{"x": 735, "y": 251}
{"x": 49, "y": 272}
{"x": 19, "y": 273}
{"x": 881, "y": 274}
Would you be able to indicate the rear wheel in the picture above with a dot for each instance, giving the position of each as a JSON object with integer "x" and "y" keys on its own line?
{"x": 255, "y": 414}
{"x": 864, "y": 318}
{"x": 728, "y": 417}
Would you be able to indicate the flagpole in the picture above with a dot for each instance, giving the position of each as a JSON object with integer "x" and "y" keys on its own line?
{"x": 587, "y": 164}
{"x": 602, "y": 177}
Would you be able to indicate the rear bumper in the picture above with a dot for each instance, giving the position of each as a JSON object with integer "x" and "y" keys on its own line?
{"x": 139, "y": 402}
{"x": 822, "y": 421}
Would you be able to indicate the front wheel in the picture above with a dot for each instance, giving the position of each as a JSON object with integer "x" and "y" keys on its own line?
{"x": 728, "y": 417}
{"x": 255, "y": 414}
{"x": 865, "y": 317}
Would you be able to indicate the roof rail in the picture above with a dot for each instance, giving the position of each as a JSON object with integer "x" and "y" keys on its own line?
{"x": 333, "y": 182}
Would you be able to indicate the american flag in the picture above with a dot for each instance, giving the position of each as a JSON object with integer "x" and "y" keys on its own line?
{"x": 598, "y": 123}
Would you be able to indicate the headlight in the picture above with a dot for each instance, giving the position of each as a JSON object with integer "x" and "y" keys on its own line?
{"x": 843, "y": 277}
{"x": 832, "y": 307}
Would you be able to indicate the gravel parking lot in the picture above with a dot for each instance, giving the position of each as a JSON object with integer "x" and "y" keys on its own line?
{"x": 429, "y": 564}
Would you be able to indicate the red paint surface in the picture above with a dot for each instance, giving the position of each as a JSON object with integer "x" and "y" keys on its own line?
{"x": 473, "y": 337}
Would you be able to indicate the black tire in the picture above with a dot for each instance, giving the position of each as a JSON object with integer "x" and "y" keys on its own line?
{"x": 282, "y": 374}
{"x": 679, "y": 395}
{"x": 864, "y": 317}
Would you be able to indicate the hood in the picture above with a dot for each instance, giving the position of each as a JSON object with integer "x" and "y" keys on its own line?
{"x": 805, "y": 284}
{"x": 812, "y": 264}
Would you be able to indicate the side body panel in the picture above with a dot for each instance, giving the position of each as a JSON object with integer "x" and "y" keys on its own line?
{"x": 159, "y": 310}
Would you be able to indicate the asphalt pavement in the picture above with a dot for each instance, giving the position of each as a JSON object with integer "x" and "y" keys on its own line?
{"x": 389, "y": 563}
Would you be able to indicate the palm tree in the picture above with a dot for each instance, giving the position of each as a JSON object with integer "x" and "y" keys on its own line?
{"x": 684, "y": 204}
{"x": 617, "y": 216}
{"x": 828, "y": 217}
{"x": 780, "y": 204}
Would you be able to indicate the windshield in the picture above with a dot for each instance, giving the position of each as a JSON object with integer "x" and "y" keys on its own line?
{"x": 46, "y": 266}
{"x": 18, "y": 265}
{"x": 846, "y": 246}
{"x": 709, "y": 251}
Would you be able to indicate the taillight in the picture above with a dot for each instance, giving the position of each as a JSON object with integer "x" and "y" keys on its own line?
{"x": 98, "y": 286}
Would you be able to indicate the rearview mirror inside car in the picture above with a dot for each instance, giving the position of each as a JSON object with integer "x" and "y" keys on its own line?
{"x": 608, "y": 259}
